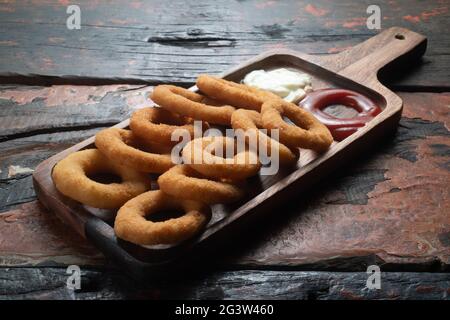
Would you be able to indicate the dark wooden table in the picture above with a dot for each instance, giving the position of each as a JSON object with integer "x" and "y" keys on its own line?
{"x": 390, "y": 207}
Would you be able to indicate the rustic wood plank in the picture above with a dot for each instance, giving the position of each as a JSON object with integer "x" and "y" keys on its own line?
{"x": 25, "y": 111}
{"x": 367, "y": 212}
{"x": 391, "y": 208}
{"x": 38, "y": 122}
{"x": 43, "y": 240}
{"x": 50, "y": 283}
{"x": 154, "y": 42}
{"x": 272, "y": 191}
{"x": 20, "y": 157}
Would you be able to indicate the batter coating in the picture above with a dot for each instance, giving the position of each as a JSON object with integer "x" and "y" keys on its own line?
{"x": 233, "y": 93}
{"x": 198, "y": 154}
{"x": 182, "y": 101}
{"x": 157, "y": 124}
{"x": 131, "y": 225}
{"x": 121, "y": 146}
{"x": 250, "y": 121}
{"x": 183, "y": 182}
{"x": 308, "y": 132}
{"x": 70, "y": 176}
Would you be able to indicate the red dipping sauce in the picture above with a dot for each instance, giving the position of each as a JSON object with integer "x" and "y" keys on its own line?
{"x": 316, "y": 101}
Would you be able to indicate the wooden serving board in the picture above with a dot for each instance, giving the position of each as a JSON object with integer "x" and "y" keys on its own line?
{"x": 264, "y": 193}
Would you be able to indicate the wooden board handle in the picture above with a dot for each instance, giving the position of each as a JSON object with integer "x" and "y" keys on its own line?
{"x": 394, "y": 44}
{"x": 389, "y": 45}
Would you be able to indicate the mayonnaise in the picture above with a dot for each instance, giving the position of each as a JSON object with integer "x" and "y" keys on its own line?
{"x": 289, "y": 85}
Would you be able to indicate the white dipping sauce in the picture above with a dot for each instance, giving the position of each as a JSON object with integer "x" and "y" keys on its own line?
{"x": 289, "y": 85}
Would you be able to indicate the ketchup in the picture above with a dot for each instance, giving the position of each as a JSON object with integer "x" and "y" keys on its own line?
{"x": 340, "y": 128}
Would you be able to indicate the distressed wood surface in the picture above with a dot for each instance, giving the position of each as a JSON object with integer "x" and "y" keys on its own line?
{"x": 273, "y": 191}
{"x": 154, "y": 41}
{"x": 390, "y": 206}
{"x": 36, "y": 122}
{"x": 50, "y": 283}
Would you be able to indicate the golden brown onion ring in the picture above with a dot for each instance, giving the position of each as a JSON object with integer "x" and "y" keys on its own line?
{"x": 183, "y": 182}
{"x": 71, "y": 178}
{"x": 131, "y": 225}
{"x": 250, "y": 121}
{"x": 155, "y": 124}
{"x": 235, "y": 94}
{"x": 198, "y": 154}
{"x": 307, "y": 132}
{"x": 121, "y": 146}
{"x": 182, "y": 101}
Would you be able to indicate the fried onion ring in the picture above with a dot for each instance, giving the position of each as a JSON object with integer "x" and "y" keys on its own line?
{"x": 131, "y": 225}
{"x": 184, "y": 182}
{"x": 70, "y": 176}
{"x": 182, "y": 101}
{"x": 157, "y": 124}
{"x": 250, "y": 121}
{"x": 236, "y": 94}
{"x": 198, "y": 154}
{"x": 308, "y": 132}
{"x": 121, "y": 146}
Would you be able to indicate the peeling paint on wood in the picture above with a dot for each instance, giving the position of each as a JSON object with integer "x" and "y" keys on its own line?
{"x": 318, "y": 12}
{"x": 78, "y": 108}
{"x": 41, "y": 238}
{"x": 62, "y": 94}
{"x": 18, "y": 170}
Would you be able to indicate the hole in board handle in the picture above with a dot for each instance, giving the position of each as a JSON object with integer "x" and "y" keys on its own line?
{"x": 399, "y": 36}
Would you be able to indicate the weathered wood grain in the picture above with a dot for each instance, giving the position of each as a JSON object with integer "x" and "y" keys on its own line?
{"x": 20, "y": 157}
{"x": 397, "y": 195}
{"x": 26, "y": 111}
{"x": 391, "y": 204}
{"x": 50, "y": 283}
{"x": 42, "y": 239}
{"x": 272, "y": 191}
{"x": 399, "y": 210}
{"x": 154, "y": 41}
{"x": 38, "y": 122}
